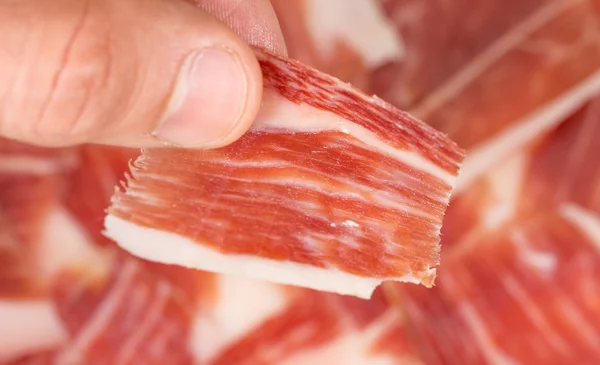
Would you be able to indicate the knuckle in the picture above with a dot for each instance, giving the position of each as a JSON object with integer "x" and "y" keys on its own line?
{"x": 70, "y": 104}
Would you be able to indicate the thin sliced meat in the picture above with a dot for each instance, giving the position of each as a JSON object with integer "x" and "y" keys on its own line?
{"x": 543, "y": 55}
{"x": 559, "y": 167}
{"x": 441, "y": 38}
{"x": 490, "y": 203}
{"x": 220, "y": 322}
{"x": 565, "y": 166}
{"x": 127, "y": 316}
{"x": 344, "y": 38}
{"x": 324, "y": 328}
{"x": 28, "y": 320}
{"x": 130, "y": 316}
{"x": 528, "y": 296}
{"x": 92, "y": 183}
{"x": 39, "y": 240}
{"x": 25, "y": 202}
{"x": 524, "y": 84}
{"x": 38, "y": 358}
{"x": 330, "y": 190}
{"x": 20, "y": 158}
{"x": 521, "y": 258}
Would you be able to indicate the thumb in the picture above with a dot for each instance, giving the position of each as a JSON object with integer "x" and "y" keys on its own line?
{"x": 135, "y": 73}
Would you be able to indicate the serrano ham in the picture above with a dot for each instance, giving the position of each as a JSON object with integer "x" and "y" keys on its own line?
{"x": 324, "y": 328}
{"x": 521, "y": 264}
{"x": 512, "y": 81}
{"x": 347, "y": 39}
{"x": 94, "y": 304}
{"x": 330, "y": 190}
{"x": 541, "y": 55}
{"x": 535, "y": 286}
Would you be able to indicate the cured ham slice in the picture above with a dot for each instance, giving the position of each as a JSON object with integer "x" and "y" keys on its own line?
{"x": 344, "y": 38}
{"x": 559, "y": 167}
{"x": 93, "y": 304}
{"x": 519, "y": 277}
{"x": 131, "y": 316}
{"x": 310, "y": 327}
{"x": 18, "y": 158}
{"x": 330, "y": 190}
{"x": 521, "y": 266}
{"x": 529, "y": 296}
{"x": 565, "y": 166}
{"x": 65, "y": 299}
{"x": 441, "y": 39}
{"x": 128, "y": 316}
{"x": 28, "y": 320}
{"x": 99, "y": 170}
{"x": 547, "y": 66}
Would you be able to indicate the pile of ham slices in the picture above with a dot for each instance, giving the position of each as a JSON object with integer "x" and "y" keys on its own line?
{"x": 271, "y": 251}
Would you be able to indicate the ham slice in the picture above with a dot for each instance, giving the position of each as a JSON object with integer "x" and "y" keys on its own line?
{"x": 519, "y": 280}
{"x": 129, "y": 316}
{"x": 111, "y": 308}
{"x": 21, "y": 159}
{"x": 521, "y": 258}
{"x": 64, "y": 297}
{"x": 548, "y": 66}
{"x": 528, "y": 296}
{"x": 330, "y": 190}
{"x": 344, "y": 38}
{"x": 324, "y": 328}
{"x": 441, "y": 40}
{"x": 28, "y": 320}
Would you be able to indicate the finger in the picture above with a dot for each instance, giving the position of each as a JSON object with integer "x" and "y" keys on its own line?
{"x": 125, "y": 72}
{"x": 253, "y": 20}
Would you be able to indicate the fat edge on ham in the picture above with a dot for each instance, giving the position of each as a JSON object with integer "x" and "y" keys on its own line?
{"x": 331, "y": 190}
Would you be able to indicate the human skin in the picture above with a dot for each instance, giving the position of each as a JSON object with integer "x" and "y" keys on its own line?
{"x": 133, "y": 73}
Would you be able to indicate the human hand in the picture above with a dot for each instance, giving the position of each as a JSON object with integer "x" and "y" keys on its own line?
{"x": 134, "y": 73}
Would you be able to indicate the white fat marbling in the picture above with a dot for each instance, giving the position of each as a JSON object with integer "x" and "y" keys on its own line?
{"x": 280, "y": 113}
{"x": 530, "y": 127}
{"x": 360, "y": 23}
{"x": 587, "y": 221}
{"x": 169, "y": 248}
{"x": 353, "y": 347}
{"x": 28, "y": 326}
{"x": 65, "y": 245}
{"x": 226, "y": 321}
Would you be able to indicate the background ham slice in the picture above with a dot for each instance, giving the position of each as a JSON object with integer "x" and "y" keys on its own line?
{"x": 345, "y": 38}
{"x": 518, "y": 281}
{"x": 521, "y": 254}
{"x": 330, "y": 190}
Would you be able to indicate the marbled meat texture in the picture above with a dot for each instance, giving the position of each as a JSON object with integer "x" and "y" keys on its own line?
{"x": 521, "y": 259}
{"x": 331, "y": 190}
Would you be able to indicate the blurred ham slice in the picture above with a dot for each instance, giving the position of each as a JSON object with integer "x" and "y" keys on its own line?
{"x": 535, "y": 285}
{"x": 524, "y": 84}
{"x": 330, "y": 190}
{"x": 344, "y": 38}
{"x": 28, "y": 189}
{"x": 441, "y": 39}
{"x": 521, "y": 258}
{"x": 323, "y": 328}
